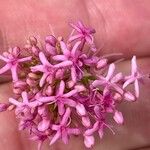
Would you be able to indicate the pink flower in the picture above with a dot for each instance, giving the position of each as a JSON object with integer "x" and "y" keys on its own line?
{"x": 134, "y": 77}
{"x": 48, "y": 69}
{"x": 12, "y": 62}
{"x": 89, "y": 141}
{"x": 3, "y": 107}
{"x": 25, "y": 101}
{"x": 66, "y": 90}
{"x": 98, "y": 125}
{"x": 84, "y": 34}
{"x": 51, "y": 42}
{"x": 63, "y": 130}
{"x": 109, "y": 81}
{"x": 72, "y": 55}
{"x": 61, "y": 98}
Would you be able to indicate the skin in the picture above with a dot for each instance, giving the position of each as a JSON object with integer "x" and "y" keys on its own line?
{"x": 122, "y": 26}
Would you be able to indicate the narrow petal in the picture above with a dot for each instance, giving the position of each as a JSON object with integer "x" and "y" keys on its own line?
{"x": 71, "y": 93}
{"x": 91, "y": 131}
{"x": 4, "y": 58}
{"x": 25, "y": 97}
{"x": 66, "y": 116}
{"x": 14, "y": 102}
{"x": 97, "y": 83}
{"x": 110, "y": 71}
{"x": 129, "y": 81}
{"x": 69, "y": 102}
{"x": 65, "y": 136}
{"x": 133, "y": 65}
{"x": 89, "y": 141}
{"x": 47, "y": 99}
{"x": 75, "y": 27}
{"x": 4, "y": 69}
{"x": 14, "y": 73}
{"x": 55, "y": 127}
{"x": 61, "y": 88}
{"x": 86, "y": 121}
{"x": 55, "y": 137}
{"x": 43, "y": 59}
{"x": 64, "y": 48}
{"x": 60, "y": 57}
{"x": 37, "y": 68}
{"x": 64, "y": 64}
{"x": 117, "y": 78}
{"x": 136, "y": 86}
{"x": 61, "y": 108}
{"x": 80, "y": 109}
{"x": 75, "y": 48}
{"x": 25, "y": 59}
{"x": 43, "y": 79}
{"x": 129, "y": 96}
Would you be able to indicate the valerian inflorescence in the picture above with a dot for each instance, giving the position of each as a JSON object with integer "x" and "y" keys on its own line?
{"x": 59, "y": 82}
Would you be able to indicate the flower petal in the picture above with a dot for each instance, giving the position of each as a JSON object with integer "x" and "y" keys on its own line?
{"x": 133, "y": 65}
{"x": 66, "y": 116}
{"x": 55, "y": 137}
{"x": 61, "y": 88}
{"x": 64, "y": 48}
{"x": 14, "y": 73}
{"x": 75, "y": 48}
{"x": 60, "y": 57}
{"x": 43, "y": 59}
{"x": 110, "y": 71}
{"x": 80, "y": 109}
{"x": 4, "y": 69}
{"x": 118, "y": 117}
{"x": 89, "y": 141}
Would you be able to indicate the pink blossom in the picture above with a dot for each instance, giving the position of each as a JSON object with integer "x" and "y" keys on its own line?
{"x": 12, "y": 62}
{"x": 109, "y": 81}
{"x": 73, "y": 56}
{"x": 134, "y": 77}
{"x": 61, "y": 98}
{"x": 84, "y": 34}
{"x": 63, "y": 130}
{"x": 46, "y": 68}
{"x": 89, "y": 141}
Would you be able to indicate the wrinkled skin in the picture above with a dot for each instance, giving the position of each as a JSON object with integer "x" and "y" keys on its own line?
{"x": 122, "y": 26}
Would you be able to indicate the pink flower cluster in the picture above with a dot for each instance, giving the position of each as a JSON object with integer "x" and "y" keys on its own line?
{"x": 60, "y": 91}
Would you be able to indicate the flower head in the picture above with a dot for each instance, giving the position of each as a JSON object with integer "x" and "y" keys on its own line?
{"x": 12, "y": 59}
